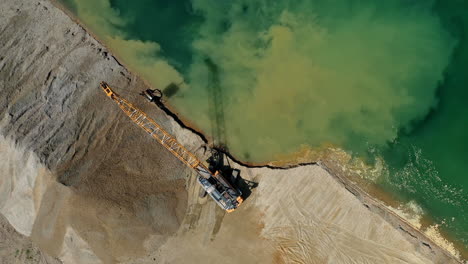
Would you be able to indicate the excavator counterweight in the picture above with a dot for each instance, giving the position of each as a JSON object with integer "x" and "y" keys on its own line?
{"x": 226, "y": 196}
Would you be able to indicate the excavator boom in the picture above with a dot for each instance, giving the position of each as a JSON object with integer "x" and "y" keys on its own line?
{"x": 214, "y": 184}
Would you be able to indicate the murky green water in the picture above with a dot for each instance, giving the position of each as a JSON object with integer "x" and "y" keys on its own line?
{"x": 377, "y": 78}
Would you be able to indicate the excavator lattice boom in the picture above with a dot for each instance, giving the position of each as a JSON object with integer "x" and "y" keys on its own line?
{"x": 225, "y": 194}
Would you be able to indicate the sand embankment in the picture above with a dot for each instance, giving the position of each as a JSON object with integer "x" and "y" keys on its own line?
{"x": 87, "y": 186}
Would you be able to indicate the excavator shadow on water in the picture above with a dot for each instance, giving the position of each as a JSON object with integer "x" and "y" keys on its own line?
{"x": 218, "y": 131}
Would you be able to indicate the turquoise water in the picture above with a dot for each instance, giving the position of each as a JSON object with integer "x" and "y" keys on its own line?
{"x": 379, "y": 79}
{"x": 430, "y": 162}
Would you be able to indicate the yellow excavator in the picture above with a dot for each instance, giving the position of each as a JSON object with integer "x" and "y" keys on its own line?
{"x": 215, "y": 184}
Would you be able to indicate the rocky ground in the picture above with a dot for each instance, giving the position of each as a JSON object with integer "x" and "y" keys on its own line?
{"x": 81, "y": 183}
{"x": 16, "y": 248}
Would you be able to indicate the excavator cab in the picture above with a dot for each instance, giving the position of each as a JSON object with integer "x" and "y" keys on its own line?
{"x": 221, "y": 185}
{"x": 221, "y": 191}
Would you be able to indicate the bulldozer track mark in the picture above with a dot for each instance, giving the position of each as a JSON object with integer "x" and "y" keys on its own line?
{"x": 304, "y": 238}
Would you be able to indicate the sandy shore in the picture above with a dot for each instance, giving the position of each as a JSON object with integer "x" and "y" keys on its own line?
{"x": 108, "y": 193}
